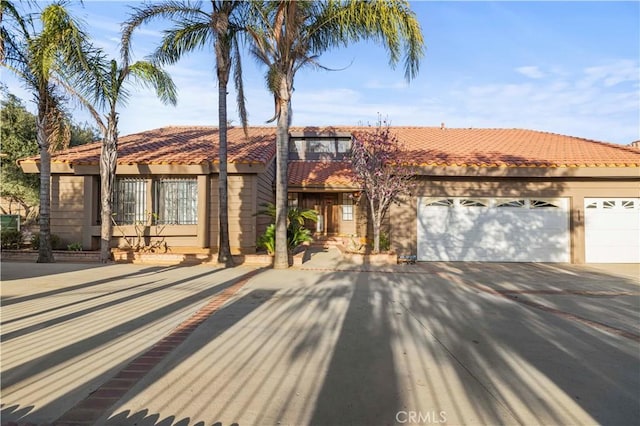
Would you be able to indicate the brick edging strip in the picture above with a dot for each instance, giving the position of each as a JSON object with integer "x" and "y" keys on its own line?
{"x": 89, "y": 410}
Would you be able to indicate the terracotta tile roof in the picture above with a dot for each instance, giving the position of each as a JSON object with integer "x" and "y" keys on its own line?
{"x": 335, "y": 174}
{"x": 509, "y": 148}
{"x": 426, "y": 146}
{"x": 179, "y": 145}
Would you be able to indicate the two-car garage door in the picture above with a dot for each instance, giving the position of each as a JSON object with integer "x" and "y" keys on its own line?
{"x": 493, "y": 229}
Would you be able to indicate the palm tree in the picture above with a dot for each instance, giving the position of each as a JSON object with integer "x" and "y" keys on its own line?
{"x": 289, "y": 35}
{"x": 194, "y": 29}
{"x": 102, "y": 85}
{"x": 39, "y": 58}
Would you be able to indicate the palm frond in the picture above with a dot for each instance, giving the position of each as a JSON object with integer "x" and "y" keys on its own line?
{"x": 172, "y": 10}
{"x": 151, "y": 76}
{"x": 187, "y": 36}
{"x": 237, "y": 78}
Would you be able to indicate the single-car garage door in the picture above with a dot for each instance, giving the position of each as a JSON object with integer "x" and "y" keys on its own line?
{"x": 493, "y": 229}
{"x": 612, "y": 230}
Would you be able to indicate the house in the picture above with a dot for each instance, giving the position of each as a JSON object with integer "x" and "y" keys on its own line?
{"x": 479, "y": 194}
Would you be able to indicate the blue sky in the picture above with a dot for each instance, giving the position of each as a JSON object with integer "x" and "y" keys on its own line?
{"x": 564, "y": 67}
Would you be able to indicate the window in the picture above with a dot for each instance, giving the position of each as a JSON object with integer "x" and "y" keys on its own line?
{"x": 176, "y": 201}
{"x": 296, "y": 145}
{"x": 344, "y": 145}
{"x": 130, "y": 201}
{"x": 541, "y": 204}
{"x": 472, "y": 203}
{"x": 347, "y": 207}
{"x": 627, "y": 204}
{"x": 321, "y": 145}
{"x": 513, "y": 203}
{"x": 448, "y": 202}
{"x": 292, "y": 200}
{"x": 609, "y": 204}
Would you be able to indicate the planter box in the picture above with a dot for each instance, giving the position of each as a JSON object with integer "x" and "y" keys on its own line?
{"x": 390, "y": 258}
{"x": 58, "y": 255}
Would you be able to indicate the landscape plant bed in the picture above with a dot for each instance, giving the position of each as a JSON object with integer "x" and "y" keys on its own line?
{"x": 28, "y": 255}
{"x": 368, "y": 258}
{"x": 186, "y": 258}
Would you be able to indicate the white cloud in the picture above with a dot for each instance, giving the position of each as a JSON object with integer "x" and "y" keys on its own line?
{"x": 394, "y": 85}
{"x": 600, "y": 102}
{"x": 531, "y": 72}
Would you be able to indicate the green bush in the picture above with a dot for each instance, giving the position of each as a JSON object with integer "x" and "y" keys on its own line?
{"x": 56, "y": 243}
{"x": 11, "y": 239}
{"x": 296, "y": 235}
{"x": 74, "y": 247}
{"x": 385, "y": 241}
{"x": 296, "y": 232}
{"x": 267, "y": 240}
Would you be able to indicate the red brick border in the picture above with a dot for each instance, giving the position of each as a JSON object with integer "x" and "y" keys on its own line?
{"x": 89, "y": 410}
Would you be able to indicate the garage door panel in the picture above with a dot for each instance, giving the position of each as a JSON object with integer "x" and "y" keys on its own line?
{"x": 516, "y": 234}
{"x": 612, "y": 230}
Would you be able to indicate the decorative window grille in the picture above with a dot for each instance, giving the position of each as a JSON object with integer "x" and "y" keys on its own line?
{"x": 513, "y": 203}
{"x": 176, "y": 201}
{"x": 347, "y": 207}
{"x": 628, "y": 204}
{"x": 540, "y": 204}
{"x": 130, "y": 201}
{"x": 448, "y": 202}
{"x": 471, "y": 203}
{"x": 609, "y": 204}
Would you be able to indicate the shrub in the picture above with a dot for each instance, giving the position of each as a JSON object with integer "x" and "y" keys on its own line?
{"x": 267, "y": 240}
{"x": 296, "y": 235}
{"x": 11, "y": 239}
{"x": 385, "y": 241}
{"x": 74, "y": 247}
{"x": 56, "y": 243}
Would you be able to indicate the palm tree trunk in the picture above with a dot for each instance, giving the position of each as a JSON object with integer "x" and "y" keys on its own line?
{"x": 108, "y": 163}
{"x": 281, "y": 259}
{"x": 45, "y": 253}
{"x": 224, "y": 249}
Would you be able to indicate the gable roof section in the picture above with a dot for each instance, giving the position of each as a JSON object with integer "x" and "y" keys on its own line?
{"x": 325, "y": 174}
{"x": 178, "y": 145}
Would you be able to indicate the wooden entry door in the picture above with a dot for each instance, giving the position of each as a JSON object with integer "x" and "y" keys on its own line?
{"x": 327, "y": 207}
{"x": 330, "y": 204}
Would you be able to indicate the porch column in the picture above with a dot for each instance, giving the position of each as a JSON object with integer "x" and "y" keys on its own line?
{"x": 203, "y": 211}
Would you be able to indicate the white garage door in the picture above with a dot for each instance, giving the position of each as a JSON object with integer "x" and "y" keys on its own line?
{"x": 612, "y": 230}
{"x": 493, "y": 229}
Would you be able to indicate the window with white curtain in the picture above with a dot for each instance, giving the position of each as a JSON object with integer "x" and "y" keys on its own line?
{"x": 176, "y": 201}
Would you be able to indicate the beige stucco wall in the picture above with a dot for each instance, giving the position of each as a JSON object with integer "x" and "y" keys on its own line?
{"x": 242, "y": 195}
{"x": 67, "y": 207}
{"x": 74, "y": 215}
{"x": 403, "y": 216}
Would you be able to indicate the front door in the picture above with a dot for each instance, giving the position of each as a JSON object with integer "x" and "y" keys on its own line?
{"x": 327, "y": 207}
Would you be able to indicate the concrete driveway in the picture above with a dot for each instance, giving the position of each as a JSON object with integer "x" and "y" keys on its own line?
{"x": 331, "y": 344}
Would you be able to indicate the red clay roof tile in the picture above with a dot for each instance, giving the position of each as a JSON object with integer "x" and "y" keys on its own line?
{"x": 337, "y": 174}
{"x": 425, "y": 146}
